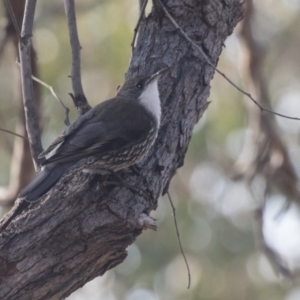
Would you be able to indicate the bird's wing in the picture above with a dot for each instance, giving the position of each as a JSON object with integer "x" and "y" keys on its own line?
{"x": 108, "y": 128}
{"x": 54, "y": 146}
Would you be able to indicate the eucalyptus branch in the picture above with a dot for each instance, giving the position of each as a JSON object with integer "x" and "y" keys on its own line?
{"x": 32, "y": 122}
{"x": 79, "y": 98}
{"x": 187, "y": 38}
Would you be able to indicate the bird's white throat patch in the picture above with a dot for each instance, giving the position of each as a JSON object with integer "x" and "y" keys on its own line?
{"x": 150, "y": 99}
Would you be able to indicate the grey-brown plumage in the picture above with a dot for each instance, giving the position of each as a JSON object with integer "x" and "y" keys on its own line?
{"x": 111, "y": 136}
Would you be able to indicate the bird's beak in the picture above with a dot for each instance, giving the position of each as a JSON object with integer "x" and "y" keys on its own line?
{"x": 158, "y": 74}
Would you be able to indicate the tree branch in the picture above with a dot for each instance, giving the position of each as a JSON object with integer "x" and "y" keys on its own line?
{"x": 265, "y": 147}
{"x": 82, "y": 226}
{"x": 32, "y": 121}
{"x": 79, "y": 98}
{"x": 192, "y": 42}
{"x": 21, "y": 167}
{"x": 265, "y": 152}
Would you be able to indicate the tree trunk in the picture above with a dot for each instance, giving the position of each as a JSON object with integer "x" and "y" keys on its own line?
{"x": 81, "y": 228}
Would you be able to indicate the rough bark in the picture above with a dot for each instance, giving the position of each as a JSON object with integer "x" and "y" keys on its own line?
{"x": 82, "y": 227}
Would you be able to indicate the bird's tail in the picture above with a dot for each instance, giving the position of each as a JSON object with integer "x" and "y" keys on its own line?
{"x": 43, "y": 181}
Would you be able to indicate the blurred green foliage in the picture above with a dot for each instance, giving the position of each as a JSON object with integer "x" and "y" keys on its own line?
{"x": 215, "y": 214}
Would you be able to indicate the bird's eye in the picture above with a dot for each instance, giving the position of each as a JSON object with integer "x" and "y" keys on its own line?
{"x": 139, "y": 85}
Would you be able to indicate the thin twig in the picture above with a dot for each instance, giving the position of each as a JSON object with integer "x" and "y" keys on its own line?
{"x": 179, "y": 241}
{"x": 217, "y": 70}
{"x": 13, "y": 133}
{"x": 13, "y": 19}
{"x": 32, "y": 120}
{"x": 136, "y": 29}
{"x": 67, "y": 110}
{"x": 80, "y": 100}
{"x": 51, "y": 89}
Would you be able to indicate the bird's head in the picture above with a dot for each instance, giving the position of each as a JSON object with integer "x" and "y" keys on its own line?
{"x": 138, "y": 86}
{"x": 144, "y": 89}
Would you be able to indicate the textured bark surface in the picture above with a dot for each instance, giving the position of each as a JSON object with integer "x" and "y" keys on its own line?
{"x": 82, "y": 227}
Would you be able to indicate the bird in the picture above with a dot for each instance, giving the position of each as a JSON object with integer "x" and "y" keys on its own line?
{"x": 111, "y": 136}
